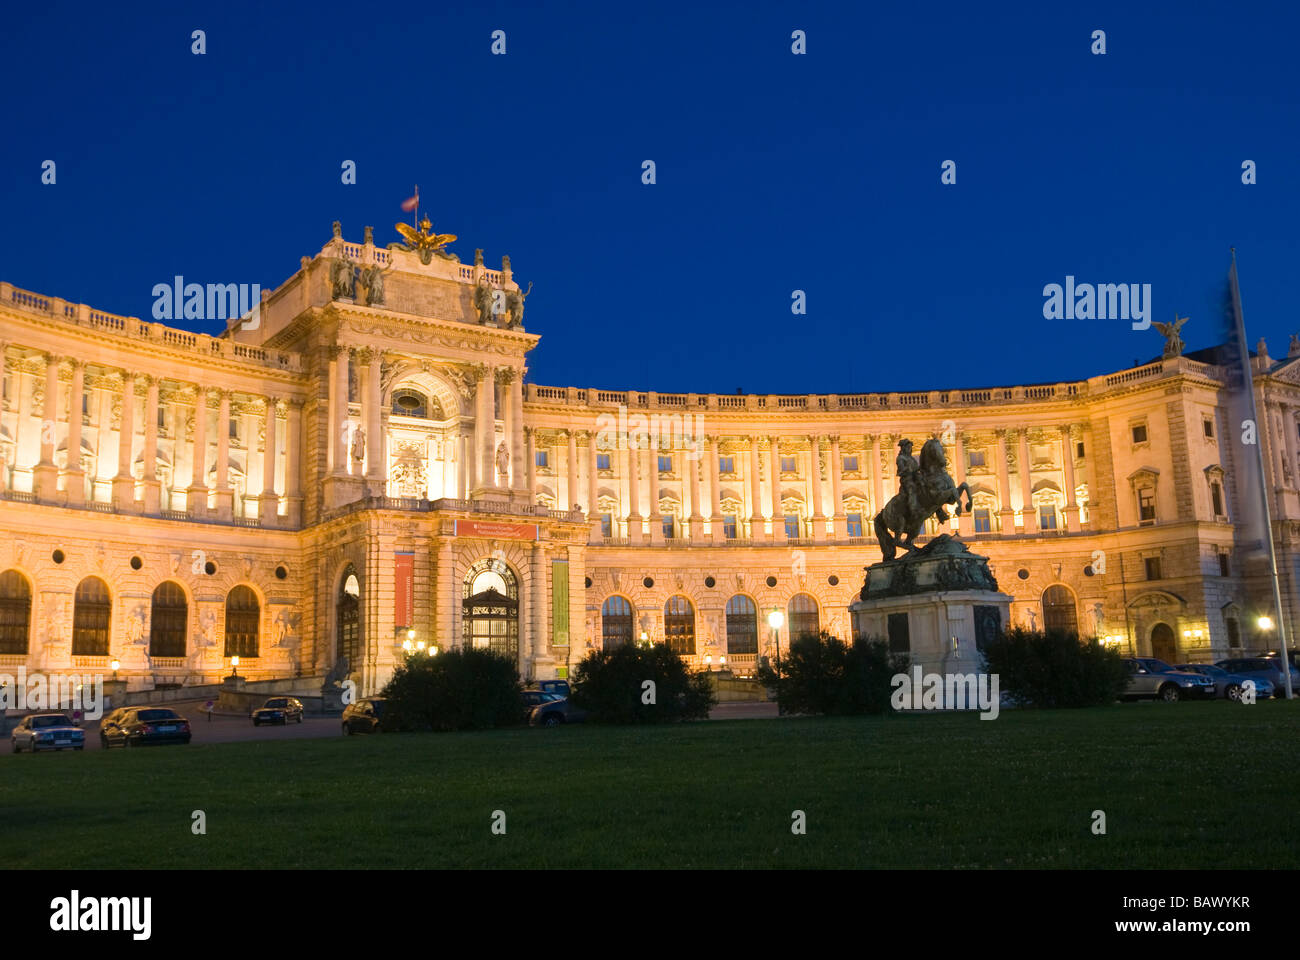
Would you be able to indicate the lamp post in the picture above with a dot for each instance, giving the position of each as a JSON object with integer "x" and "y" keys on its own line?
{"x": 775, "y": 620}
{"x": 234, "y": 666}
{"x": 116, "y": 664}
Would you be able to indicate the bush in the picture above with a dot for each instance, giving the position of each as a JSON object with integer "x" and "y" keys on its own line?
{"x": 608, "y": 684}
{"x": 1055, "y": 669}
{"x": 823, "y": 674}
{"x": 456, "y": 690}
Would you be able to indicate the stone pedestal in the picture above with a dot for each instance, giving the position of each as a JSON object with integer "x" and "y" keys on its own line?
{"x": 939, "y": 604}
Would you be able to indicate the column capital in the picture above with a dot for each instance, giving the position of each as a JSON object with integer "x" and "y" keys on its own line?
{"x": 505, "y": 374}
{"x": 366, "y": 354}
{"x": 150, "y": 379}
{"x": 834, "y": 438}
{"x": 74, "y": 363}
{"x": 223, "y": 394}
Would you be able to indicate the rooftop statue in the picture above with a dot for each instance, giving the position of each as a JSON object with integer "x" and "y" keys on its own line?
{"x": 424, "y": 241}
{"x": 925, "y": 487}
{"x": 1173, "y": 342}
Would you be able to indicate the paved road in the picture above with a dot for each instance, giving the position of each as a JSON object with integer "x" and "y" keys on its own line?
{"x": 229, "y": 728}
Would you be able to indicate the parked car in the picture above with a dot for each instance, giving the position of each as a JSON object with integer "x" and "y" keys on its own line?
{"x": 1262, "y": 668}
{"x": 47, "y": 731}
{"x": 278, "y": 710}
{"x": 533, "y": 698}
{"x": 143, "y": 726}
{"x": 363, "y": 716}
{"x": 1226, "y": 685}
{"x": 555, "y": 711}
{"x": 560, "y": 687}
{"x": 1149, "y": 677}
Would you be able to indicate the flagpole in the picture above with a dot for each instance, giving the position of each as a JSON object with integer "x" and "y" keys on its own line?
{"x": 1240, "y": 323}
{"x": 415, "y": 217}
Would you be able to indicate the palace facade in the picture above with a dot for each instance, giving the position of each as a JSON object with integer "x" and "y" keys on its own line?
{"x": 360, "y": 465}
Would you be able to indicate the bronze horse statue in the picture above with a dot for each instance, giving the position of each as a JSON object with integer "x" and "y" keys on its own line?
{"x": 903, "y": 517}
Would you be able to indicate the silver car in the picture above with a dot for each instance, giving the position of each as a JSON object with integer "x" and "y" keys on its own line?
{"x": 1149, "y": 677}
{"x": 1227, "y": 685}
{"x": 47, "y": 731}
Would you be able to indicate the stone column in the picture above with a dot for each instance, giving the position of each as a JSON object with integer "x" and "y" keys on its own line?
{"x": 815, "y": 480}
{"x": 343, "y": 394}
{"x": 196, "y": 495}
{"x": 635, "y": 527}
{"x": 74, "y": 477}
{"x": 715, "y": 518}
{"x": 1026, "y": 487}
{"x": 447, "y": 598}
{"x": 1006, "y": 513}
{"x": 268, "y": 504}
{"x": 334, "y": 428}
{"x": 656, "y": 517}
{"x": 593, "y": 476}
{"x": 778, "y": 517}
{"x": 4, "y": 467}
{"x": 124, "y": 482}
{"x": 46, "y": 474}
{"x": 516, "y": 437}
{"x": 877, "y": 484}
{"x": 691, "y": 461}
{"x": 530, "y": 447}
{"x": 838, "y": 518}
{"x": 225, "y": 496}
{"x": 152, "y": 488}
{"x": 1067, "y": 461}
{"x": 755, "y": 493}
{"x": 966, "y": 522}
{"x": 571, "y": 496}
{"x": 540, "y": 616}
{"x": 485, "y": 428}
{"x": 372, "y": 397}
{"x": 293, "y": 464}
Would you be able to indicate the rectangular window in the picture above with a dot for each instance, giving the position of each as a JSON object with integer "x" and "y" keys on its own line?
{"x": 1208, "y": 426}
{"x": 729, "y": 527}
{"x": 1146, "y": 505}
{"x": 666, "y": 464}
{"x": 983, "y": 520}
{"x": 606, "y": 524}
{"x": 976, "y": 458}
{"x": 1216, "y": 496}
{"x": 792, "y": 524}
{"x": 726, "y": 464}
{"x": 668, "y": 527}
{"x": 234, "y": 429}
{"x": 602, "y": 461}
{"x": 1225, "y": 570}
{"x": 1152, "y": 565}
{"x": 1078, "y": 450}
{"x": 855, "y": 524}
{"x": 1047, "y": 517}
{"x": 1139, "y": 433}
{"x": 850, "y": 464}
{"x": 162, "y": 413}
{"x": 787, "y": 465}
{"x": 542, "y": 458}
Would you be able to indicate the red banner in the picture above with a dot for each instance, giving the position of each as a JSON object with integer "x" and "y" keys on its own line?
{"x": 496, "y": 530}
{"x": 404, "y": 605}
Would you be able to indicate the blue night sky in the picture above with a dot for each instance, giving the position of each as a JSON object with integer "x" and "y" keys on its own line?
{"x": 775, "y": 172}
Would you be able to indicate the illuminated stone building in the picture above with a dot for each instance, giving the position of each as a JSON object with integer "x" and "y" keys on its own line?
{"x": 362, "y": 462}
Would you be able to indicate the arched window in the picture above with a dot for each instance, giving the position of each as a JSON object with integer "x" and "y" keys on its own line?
{"x": 490, "y": 608}
{"x": 410, "y": 403}
{"x": 1059, "y": 613}
{"x": 91, "y": 612}
{"x": 348, "y": 634}
{"x": 679, "y": 625}
{"x": 15, "y": 613}
{"x": 615, "y": 622}
{"x": 802, "y": 616}
{"x": 243, "y": 622}
{"x": 742, "y": 625}
{"x": 168, "y": 614}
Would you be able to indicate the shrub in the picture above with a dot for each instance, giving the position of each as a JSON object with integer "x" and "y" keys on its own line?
{"x": 1055, "y": 669}
{"x": 609, "y": 685}
{"x": 823, "y": 674}
{"x": 456, "y": 690}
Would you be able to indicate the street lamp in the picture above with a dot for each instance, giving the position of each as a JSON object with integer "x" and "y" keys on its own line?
{"x": 433, "y": 649}
{"x": 1265, "y": 622}
{"x": 407, "y": 645}
{"x": 116, "y": 664}
{"x": 234, "y": 666}
{"x": 775, "y": 620}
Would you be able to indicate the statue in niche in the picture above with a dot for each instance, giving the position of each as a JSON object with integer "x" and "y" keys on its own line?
{"x": 359, "y": 444}
{"x": 503, "y": 464}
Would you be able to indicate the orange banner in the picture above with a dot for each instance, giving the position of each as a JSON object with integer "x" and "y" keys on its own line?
{"x": 496, "y": 530}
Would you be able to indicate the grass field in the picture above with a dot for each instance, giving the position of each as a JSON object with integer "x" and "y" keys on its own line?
{"x": 1182, "y": 785}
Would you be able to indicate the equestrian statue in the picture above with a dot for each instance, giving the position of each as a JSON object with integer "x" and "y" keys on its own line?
{"x": 924, "y": 489}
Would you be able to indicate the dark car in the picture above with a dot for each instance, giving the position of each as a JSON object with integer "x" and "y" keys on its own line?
{"x": 560, "y": 687}
{"x": 363, "y": 716}
{"x": 1227, "y": 685}
{"x": 143, "y": 726}
{"x": 533, "y": 698}
{"x": 1262, "y": 668}
{"x": 1149, "y": 677}
{"x": 555, "y": 711}
{"x": 278, "y": 710}
{"x": 47, "y": 731}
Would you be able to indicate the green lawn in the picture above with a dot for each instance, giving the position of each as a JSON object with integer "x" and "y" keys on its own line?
{"x": 1182, "y": 785}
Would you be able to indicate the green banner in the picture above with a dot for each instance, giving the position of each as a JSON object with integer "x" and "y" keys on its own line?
{"x": 559, "y": 603}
